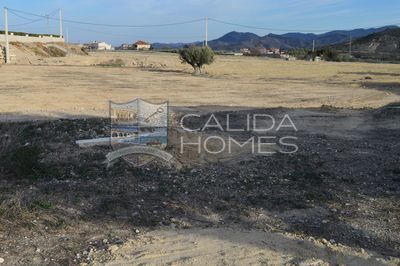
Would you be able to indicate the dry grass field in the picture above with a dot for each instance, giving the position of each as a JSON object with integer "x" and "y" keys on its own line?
{"x": 82, "y": 85}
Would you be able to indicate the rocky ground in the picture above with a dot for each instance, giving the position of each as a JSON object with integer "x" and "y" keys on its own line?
{"x": 335, "y": 201}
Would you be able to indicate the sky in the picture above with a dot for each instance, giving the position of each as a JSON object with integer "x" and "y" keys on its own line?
{"x": 277, "y": 16}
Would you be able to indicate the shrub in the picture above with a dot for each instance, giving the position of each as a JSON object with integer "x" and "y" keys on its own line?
{"x": 55, "y": 52}
{"x": 113, "y": 63}
{"x": 197, "y": 57}
{"x": 25, "y": 161}
{"x": 330, "y": 55}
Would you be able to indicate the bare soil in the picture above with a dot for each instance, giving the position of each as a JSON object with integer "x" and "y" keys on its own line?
{"x": 335, "y": 201}
{"x": 77, "y": 86}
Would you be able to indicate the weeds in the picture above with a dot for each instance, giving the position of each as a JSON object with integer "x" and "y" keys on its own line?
{"x": 55, "y": 52}
{"x": 25, "y": 161}
{"x": 14, "y": 212}
{"x": 42, "y": 204}
{"x": 113, "y": 63}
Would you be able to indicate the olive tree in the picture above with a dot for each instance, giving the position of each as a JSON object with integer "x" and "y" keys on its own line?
{"x": 196, "y": 57}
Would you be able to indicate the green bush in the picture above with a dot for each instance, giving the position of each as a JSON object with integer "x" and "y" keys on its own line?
{"x": 330, "y": 55}
{"x": 197, "y": 57}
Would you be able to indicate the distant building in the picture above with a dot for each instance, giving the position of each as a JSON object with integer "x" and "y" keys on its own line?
{"x": 245, "y": 51}
{"x": 99, "y": 46}
{"x": 274, "y": 50}
{"x": 233, "y": 53}
{"x": 262, "y": 50}
{"x": 124, "y": 46}
{"x": 141, "y": 45}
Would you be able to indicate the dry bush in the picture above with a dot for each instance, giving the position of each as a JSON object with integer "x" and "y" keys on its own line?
{"x": 55, "y": 52}
{"x": 118, "y": 62}
{"x": 38, "y": 51}
{"x": 13, "y": 212}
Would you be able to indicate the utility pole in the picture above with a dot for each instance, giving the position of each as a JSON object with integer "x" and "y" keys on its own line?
{"x": 61, "y": 30}
{"x": 313, "y": 46}
{"x": 350, "y": 46}
{"x": 6, "y": 35}
{"x": 206, "y": 43}
{"x": 67, "y": 35}
{"x": 48, "y": 26}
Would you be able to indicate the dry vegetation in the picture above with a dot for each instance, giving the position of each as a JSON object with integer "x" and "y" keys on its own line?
{"x": 68, "y": 87}
{"x": 336, "y": 201}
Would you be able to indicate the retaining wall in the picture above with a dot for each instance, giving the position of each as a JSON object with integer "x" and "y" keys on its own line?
{"x": 43, "y": 39}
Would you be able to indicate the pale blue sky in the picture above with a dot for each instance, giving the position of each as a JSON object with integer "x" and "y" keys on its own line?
{"x": 286, "y": 14}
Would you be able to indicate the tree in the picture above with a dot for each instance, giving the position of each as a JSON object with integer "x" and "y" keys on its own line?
{"x": 330, "y": 54}
{"x": 299, "y": 53}
{"x": 196, "y": 57}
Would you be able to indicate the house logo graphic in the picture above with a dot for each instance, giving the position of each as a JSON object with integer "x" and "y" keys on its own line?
{"x": 139, "y": 132}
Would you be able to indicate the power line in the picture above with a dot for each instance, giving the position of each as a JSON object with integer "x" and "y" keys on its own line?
{"x": 111, "y": 25}
{"x": 31, "y": 21}
{"x": 262, "y": 28}
{"x": 25, "y": 18}
{"x": 131, "y": 35}
{"x": 23, "y": 24}
{"x": 280, "y": 29}
{"x": 48, "y": 17}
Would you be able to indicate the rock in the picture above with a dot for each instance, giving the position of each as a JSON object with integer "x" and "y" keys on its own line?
{"x": 324, "y": 241}
{"x": 1, "y": 260}
{"x": 193, "y": 171}
{"x": 313, "y": 262}
{"x": 137, "y": 231}
{"x": 113, "y": 248}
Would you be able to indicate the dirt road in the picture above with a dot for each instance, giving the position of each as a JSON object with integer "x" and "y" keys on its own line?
{"x": 231, "y": 246}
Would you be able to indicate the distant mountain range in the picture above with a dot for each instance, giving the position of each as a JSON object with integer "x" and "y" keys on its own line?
{"x": 236, "y": 40}
{"x": 383, "y": 45}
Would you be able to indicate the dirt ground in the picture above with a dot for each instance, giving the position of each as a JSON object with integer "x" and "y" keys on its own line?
{"x": 77, "y": 85}
{"x": 334, "y": 202}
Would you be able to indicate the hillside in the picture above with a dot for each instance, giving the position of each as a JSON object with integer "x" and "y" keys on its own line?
{"x": 32, "y": 53}
{"x": 383, "y": 45}
{"x": 235, "y": 40}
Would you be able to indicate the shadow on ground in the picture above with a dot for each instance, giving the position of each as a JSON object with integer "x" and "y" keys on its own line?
{"x": 343, "y": 189}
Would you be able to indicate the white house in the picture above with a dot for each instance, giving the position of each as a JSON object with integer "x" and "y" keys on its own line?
{"x": 141, "y": 45}
{"x": 100, "y": 46}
